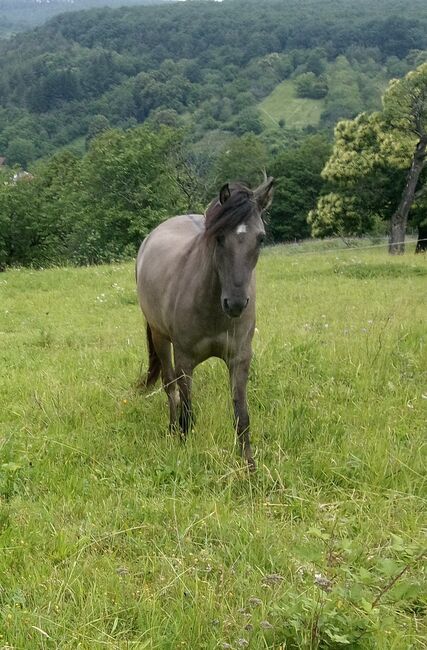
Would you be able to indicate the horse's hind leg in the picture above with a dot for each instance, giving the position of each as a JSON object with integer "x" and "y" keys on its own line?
{"x": 154, "y": 366}
{"x": 163, "y": 349}
{"x": 184, "y": 367}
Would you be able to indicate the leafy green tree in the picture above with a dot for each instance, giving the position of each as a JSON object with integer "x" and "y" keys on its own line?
{"x": 248, "y": 121}
{"x": 344, "y": 99}
{"x": 5, "y": 221}
{"x": 405, "y": 112}
{"x": 266, "y": 72}
{"x": 316, "y": 61}
{"x": 39, "y": 211}
{"x": 88, "y": 63}
{"x": 308, "y": 85}
{"x": 95, "y": 209}
{"x": 129, "y": 185}
{"x": 243, "y": 159}
{"x": 97, "y": 125}
{"x": 23, "y": 126}
{"x": 20, "y": 151}
{"x": 165, "y": 117}
{"x": 297, "y": 185}
{"x": 364, "y": 177}
{"x": 377, "y": 164}
{"x": 118, "y": 105}
{"x": 58, "y": 182}
{"x": 25, "y": 236}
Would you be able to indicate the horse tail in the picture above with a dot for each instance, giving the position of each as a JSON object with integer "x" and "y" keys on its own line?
{"x": 154, "y": 366}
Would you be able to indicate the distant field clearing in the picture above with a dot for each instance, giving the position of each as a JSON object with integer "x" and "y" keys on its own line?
{"x": 297, "y": 112}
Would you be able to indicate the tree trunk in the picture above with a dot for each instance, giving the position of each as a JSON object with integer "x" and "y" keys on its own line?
{"x": 400, "y": 218}
{"x": 421, "y": 246}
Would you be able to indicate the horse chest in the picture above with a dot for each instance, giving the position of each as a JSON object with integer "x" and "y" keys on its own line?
{"x": 220, "y": 345}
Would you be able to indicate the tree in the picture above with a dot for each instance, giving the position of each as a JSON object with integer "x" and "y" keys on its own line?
{"x": 377, "y": 164}
{"x": 97, "y": 125}
{"x": 363, "y": 175}
{"x": 419, "y": 218}
{"x": 95, "y": 209}
{"x": 129, "y": 184}
{"x": 126, "y": 63}
{"x": 405, "y": 111}
{"x": 343, "y": 100}
{"x": 38, "y": 212}
{"x": 248, "y": 121}
{"x": 308, "y": 85}
{"x": 243, "y": 159}
{"x": 316, "y": 62}
{"x": 20, "y": 151}
{"x": 297, "y": 185}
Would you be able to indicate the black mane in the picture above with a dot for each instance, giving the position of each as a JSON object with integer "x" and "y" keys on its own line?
{"x": 221, "y": 218}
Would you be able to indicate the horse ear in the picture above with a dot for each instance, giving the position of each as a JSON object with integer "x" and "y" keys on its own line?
{"x": 224, "y": 194}
{"x": 264, "y": 193}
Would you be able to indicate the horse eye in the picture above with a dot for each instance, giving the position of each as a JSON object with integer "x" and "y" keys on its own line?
{"x": 260, "y": 239}
{"x": 220, "y": 240}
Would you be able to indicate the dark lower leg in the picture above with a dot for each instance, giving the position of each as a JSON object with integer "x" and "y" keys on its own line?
{"x": 238, "y": 377}
{"x": 186, "y": 414}
{"x": 184, "y": 371}
{"x": 242, "y": 429}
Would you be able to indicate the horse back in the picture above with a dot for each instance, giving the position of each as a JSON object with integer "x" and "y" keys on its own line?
{"x": 162, "y": 262}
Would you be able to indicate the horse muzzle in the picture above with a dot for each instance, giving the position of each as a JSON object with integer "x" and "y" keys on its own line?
{"x": 234, "y": 307}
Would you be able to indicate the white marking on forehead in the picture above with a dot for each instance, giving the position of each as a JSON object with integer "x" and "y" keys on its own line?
{"x": 241, "y": 228}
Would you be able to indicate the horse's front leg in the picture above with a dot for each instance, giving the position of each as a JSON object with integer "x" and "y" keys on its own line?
{"x": 239, "y": 371}
{"x": 184, "y": 367}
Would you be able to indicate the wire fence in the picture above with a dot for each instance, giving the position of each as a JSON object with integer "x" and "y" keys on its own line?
{"x": 345, "y": 248}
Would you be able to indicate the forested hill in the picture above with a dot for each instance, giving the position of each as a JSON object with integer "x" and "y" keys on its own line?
{"x": 17, "y": 15}
{"x": 204, "y": 63}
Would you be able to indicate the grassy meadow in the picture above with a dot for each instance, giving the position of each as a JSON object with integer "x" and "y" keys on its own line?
{"x": 115, "y": 535}
{"x": 283, "y": 103}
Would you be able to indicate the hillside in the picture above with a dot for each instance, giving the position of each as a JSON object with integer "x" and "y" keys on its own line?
{"x": 18, "y": 15}
{"x": 349, "y": 85}
{"x": 206, "y": 65}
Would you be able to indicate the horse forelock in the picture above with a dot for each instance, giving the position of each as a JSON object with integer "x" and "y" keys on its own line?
{"x": 223, "y": 218}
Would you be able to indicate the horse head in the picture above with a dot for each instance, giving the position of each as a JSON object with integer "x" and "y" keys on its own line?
{"x": 233, "y": 222}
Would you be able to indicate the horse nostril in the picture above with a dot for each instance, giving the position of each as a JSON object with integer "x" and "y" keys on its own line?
{"x": 234, "y": 307}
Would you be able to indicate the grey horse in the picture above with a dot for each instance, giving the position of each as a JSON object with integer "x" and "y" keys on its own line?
{"x": 196, "y": 288}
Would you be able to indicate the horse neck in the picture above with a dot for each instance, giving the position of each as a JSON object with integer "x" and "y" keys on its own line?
{"x": 206, "y": 281}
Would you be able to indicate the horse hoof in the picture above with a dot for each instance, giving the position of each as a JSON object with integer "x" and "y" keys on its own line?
{"x": 251, "y": 465}
{"x": 140, "y": 386}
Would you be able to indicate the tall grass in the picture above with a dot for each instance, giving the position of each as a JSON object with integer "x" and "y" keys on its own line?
{"x": 115, "y": 535}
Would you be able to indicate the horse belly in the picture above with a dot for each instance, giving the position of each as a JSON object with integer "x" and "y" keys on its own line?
{"x": 155, "y": 288}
